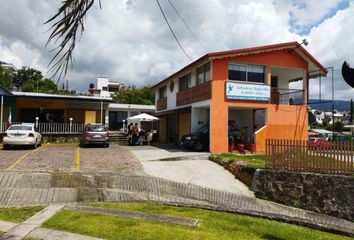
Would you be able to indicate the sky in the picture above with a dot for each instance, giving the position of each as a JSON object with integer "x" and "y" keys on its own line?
{"x": 128, "y": 40}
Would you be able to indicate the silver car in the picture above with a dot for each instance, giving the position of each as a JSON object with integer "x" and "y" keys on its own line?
{"x": 96, "y": 135}
{"x": 21, "y": 134}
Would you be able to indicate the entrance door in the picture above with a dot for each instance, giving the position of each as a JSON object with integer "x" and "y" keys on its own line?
{"x": 116, "y": 120}
{"x": 172, "y": 129}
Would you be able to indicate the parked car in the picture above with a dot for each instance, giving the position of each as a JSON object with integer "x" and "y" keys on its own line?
{"x": 95, "y": 135}
{"x": 199, "y": 140}
{"x": 320, "y": 143}
{"x": 21, "y": 134}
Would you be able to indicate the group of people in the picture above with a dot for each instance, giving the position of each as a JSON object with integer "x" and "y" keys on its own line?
{"x": 138, "y": 135}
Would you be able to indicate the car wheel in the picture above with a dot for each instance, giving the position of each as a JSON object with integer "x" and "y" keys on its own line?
{"x": 198, "y": 147}
{"x": 5, "y": 147}
{"x": 106, "y": 145}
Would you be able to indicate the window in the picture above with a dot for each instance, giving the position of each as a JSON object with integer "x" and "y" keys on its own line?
{"x": 162, "y": 92}
{"x": 203, "y": 73}
{"x": 246, "y": 73}
{"x": 104, "y": 88}
{"x": 184, "y": 82}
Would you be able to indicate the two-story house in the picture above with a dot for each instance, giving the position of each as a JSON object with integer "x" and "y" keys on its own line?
{"x": 249, "y": 88}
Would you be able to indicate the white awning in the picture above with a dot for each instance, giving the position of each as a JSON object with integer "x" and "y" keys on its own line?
{"x": 143, "y": 117}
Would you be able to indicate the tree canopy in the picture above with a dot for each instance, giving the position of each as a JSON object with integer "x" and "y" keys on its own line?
{"x": 133, "y": 95}
{"x": 26, "y": 74}
{"x": 5, "y": 79}
{"x": 30, "y": 80}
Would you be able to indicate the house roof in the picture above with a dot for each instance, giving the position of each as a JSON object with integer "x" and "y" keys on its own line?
{"x": 321, "y": 131}
{"x": 4, "y": 91}
{"x": 122, "y": 106}
{"x": 315, "y": 68}
{"x": 59, "y": 96}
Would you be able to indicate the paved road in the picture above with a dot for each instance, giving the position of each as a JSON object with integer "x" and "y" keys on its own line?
{"x": 188, "y": 167}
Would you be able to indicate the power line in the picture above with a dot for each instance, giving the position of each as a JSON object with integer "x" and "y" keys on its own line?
{"x": 174, "y": 35}
{"x": 189, "y": 29}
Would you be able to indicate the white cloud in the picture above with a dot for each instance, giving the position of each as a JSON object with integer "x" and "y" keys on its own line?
{"x": 129, "y": 41}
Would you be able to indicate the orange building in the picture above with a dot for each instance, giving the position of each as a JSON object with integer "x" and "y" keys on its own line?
{"x": 263, "y": 91}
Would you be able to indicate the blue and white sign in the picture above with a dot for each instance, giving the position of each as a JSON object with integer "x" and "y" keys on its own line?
{"x": 245, "y": 91}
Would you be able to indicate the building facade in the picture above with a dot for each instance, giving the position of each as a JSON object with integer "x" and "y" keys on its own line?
{"x": 104, "y": 87}
{"x": 249, "y": 88}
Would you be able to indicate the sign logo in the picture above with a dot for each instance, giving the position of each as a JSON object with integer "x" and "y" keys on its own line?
{"x": 247, "y": 91}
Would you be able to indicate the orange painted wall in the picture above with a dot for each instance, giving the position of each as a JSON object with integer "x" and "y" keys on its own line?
{"x": 288, "y": 122}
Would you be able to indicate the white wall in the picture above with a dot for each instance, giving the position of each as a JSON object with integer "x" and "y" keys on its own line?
{"x": 102, "y": 82}
{"x": 171, "y": 96}
{"x": 199, "y": 117}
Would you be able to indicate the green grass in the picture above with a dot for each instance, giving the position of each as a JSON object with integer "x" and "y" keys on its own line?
{"x": 253, "y": 161}
{"x": 18, "y": 215}
{"x": 214, "y": 225}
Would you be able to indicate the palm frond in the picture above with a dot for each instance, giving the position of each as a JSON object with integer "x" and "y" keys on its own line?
{"x": 67, "y": 24}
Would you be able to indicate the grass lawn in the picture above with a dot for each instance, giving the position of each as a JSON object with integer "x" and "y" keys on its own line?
{"x": 214, "y": 225}
{"x": 253, "y": 161}
{"x": 18, "y": 215}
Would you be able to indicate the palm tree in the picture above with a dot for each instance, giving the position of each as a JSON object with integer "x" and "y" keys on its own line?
{"x": 67, "y": 23}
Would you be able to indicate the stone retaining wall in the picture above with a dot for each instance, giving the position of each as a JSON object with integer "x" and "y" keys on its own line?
{"x": 328, "y": 194}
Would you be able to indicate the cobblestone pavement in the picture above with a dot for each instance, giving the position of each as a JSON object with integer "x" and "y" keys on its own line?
{"x": 112, "y": 159}
{"x": 70, "y": 158}
{"x": 52, "y": 158}
{"x": 8, "y": 157}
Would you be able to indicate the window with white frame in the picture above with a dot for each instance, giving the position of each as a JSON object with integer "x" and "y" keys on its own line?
{"x": 246, "y": 73}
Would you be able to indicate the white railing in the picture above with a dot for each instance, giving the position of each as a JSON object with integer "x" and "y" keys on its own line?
{"x": 56, "y": 128}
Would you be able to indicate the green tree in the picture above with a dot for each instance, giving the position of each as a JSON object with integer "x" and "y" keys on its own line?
{"x": 26, "y": 74}
{"x": 133, "y": 95}
{"x": 5, "y": 79}
{"x": 337, "y": 127}
{"x": 42, "y": 86}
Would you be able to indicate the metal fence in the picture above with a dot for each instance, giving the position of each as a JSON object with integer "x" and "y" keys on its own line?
{"x": 55, "y": 128}
{"x": 286, "y": 96}
{"x": 305, "y": 156}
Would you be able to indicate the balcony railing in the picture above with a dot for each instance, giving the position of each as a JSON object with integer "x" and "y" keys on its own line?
{"x": 55, "y": 128}
{"x": 161, "y": 104}
{"x": 195, "y": 94}
{"x": 286, "y": 96}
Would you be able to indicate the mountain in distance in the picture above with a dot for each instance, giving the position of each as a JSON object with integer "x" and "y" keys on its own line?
{"x": 326, "y": 105}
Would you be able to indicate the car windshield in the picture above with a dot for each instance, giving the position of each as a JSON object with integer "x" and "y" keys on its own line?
{"x": 96, "y": 129}
{"x": 25, "y": 128}
{"x": 203, "y": 129}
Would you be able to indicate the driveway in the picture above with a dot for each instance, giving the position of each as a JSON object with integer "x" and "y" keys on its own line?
{"x": 188, "y": 167}
{"x": 70, "y": 158}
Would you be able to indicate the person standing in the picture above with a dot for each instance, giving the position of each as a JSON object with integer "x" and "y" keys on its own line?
{"x": 130, "y": 133}
{"x": 135, "y": 133}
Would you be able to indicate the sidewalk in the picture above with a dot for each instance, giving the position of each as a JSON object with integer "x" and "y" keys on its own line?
{"x": 188, "y": 167}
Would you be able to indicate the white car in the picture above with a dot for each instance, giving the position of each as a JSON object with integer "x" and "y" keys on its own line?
{"x": 21, "y": 134}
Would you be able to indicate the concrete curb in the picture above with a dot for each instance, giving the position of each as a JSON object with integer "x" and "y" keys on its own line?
{"x": 23, "y": 229}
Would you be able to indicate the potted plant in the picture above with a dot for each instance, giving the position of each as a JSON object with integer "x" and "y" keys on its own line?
{"x": 240, "y": 147}
{"x": 231, "y": 144}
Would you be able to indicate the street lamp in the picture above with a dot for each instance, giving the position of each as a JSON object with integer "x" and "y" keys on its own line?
{"x": 71, "y": 123}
